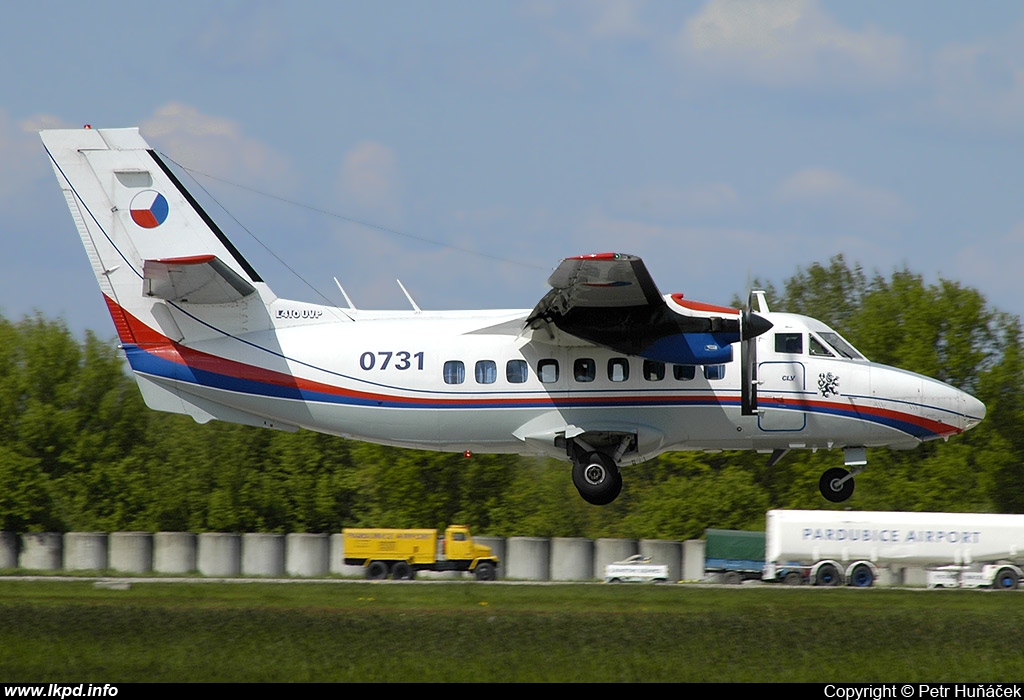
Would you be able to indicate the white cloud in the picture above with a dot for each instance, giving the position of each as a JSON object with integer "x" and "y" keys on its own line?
{"x": 981, "y": 83}
{"x": 841, "y": 196}
{"x": 216, "y": 146}
{"x": 22, "y": 159}
{"x": 787, "y": 43}
{"x": 613, "y": 19}
{"x": 370, "y": 181}
{"x": 666, "y": 201}
{"x": 991, "y": 261}
{"x": 246, "y": 38}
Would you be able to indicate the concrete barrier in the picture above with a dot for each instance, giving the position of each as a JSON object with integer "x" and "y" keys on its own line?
{"x": 220, "y": 554}
{"x": 693, "y": 560}
{"x": 85, "y": 551}
{"x": 608, "y": 550}
{"x": 307, "y": 554}
{"x": 337, "y": 559}
{"x": 572, "y": 559}
{"x": 131, "y": 552}
{"x": 262, "y": 554}
{"x": 42, "y": 551}
{"x": 8, "y": 550}
{"x": 529, "y": 558}
{"x": 175, "y": 552}
{"x": 665, "y": 552}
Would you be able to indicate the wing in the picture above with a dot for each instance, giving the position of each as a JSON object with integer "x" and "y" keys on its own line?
{"x": 610, "y": 299}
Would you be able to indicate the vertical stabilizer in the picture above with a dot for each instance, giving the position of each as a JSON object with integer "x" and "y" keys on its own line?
{"x": 164, "y": 267}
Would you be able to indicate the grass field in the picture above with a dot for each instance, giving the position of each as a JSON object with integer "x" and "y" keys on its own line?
{"x": 64, "y": 631}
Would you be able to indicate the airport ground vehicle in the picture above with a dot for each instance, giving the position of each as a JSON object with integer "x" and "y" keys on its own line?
{"x": 832, "y": 548}
{"x": 635, "y": 569}
{"x": 401, "y": 553}
{"x": 733, "y": 556}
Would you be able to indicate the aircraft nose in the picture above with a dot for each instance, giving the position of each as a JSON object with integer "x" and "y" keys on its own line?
{"x": 973, "y": 411}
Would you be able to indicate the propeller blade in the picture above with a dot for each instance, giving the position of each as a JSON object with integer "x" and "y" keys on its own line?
{"x": 751, "y": 326}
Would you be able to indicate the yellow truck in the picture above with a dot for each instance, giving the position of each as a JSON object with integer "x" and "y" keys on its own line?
{"x": 401, "y": 553}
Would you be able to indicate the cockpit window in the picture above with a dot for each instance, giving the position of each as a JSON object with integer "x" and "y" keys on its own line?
{"x": 792, "y": 343}
{"x": 818, "y": 349}
{"x": 841, "y": 346}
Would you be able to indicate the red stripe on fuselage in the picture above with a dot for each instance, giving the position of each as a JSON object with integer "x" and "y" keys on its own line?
{"x": 133, "y": 331}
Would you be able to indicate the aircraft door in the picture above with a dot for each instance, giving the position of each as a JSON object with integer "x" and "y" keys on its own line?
{"x": 781, "y": 395}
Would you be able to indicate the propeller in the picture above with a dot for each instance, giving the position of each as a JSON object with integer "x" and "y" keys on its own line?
{"x": 751, "y": 326}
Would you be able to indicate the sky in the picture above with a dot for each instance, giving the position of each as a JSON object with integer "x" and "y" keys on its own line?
{"x": 466, "y": 147}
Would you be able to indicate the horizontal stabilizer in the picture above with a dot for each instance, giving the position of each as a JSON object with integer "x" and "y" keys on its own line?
{"x": 198, "y": 279}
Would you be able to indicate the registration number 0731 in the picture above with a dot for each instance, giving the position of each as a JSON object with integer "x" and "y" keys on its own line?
{"x": 384, "y": 359}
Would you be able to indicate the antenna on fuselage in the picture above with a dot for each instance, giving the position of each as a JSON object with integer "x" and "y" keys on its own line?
{"x": 408, "y": 296}
{"x": 351, "y": 306}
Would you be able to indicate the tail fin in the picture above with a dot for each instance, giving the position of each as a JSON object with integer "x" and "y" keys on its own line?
{"x": 163, "y": 265}
{"x": 170, "y": 277}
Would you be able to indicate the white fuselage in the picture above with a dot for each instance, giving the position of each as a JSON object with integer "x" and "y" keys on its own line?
{"x": 394, "y": 378}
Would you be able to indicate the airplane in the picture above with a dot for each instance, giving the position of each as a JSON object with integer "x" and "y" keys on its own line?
{"x": 604, "y": 372}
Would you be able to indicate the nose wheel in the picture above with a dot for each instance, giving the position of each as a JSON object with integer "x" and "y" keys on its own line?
{"x": 597, "y": 478}
{"x": 836, "y": 485}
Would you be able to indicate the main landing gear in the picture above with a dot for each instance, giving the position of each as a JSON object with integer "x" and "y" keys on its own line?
{"x": 595, "y": 473}
{"x": 596, "y": 476}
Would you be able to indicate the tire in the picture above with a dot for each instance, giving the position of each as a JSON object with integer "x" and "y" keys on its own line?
{"x": 793, "y": 578}
{"x": 597, "y": 478}
{"x": 732, "y": 578}
{"x": 485, "y": 571}
{"x": 1005, "y": 580}
{"x": 377, "y": 571}
{"x": 827, "y": 575}
{"x": 401, "y": 571}
{"x": 829, "y": 489}
{"x": 862, "y": 576}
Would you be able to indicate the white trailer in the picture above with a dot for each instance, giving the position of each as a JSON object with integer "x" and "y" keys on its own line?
{"x": 830, "y": 548}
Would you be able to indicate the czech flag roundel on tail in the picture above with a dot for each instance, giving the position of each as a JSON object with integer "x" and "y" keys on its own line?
{"x": 149, "y": 209}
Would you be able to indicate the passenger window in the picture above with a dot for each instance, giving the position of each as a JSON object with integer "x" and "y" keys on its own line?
{"x": 454, "y": 372}
{"x": 817, "y": 349}
{"x": 547, "y": 371}
{"x": 515, "y": 371}
{"x": 486, "y": 372}
{"x": 584, "y": 370}
{"x": 714, "y": 372}
{"x": 684, "y": 373}
{"x": 618, "y": 369}
{"x": 654, "y": 371}
{"x": 792, "y": 343}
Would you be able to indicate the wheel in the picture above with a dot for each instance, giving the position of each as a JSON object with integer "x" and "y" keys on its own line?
{"x": 401, "y": 571}
{"x": 485, "y": 571}
{"x": 615, "y": 580}
{"x": 827, "y": 575}
{"x": 597, "y": 479}
{"x": 793, "y": 578}
{"x": 377, "y": 570}
{"x": 732, "y": 578}
{"x": 1006, "y": 580}
{"x": 830, "y": 487}
{"x": 862, "y": 576}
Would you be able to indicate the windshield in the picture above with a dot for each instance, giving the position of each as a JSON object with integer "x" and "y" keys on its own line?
{"x": 842, "y": 348}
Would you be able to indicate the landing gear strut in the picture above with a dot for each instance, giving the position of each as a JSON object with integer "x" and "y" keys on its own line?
{"x": 596, "y": 476}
